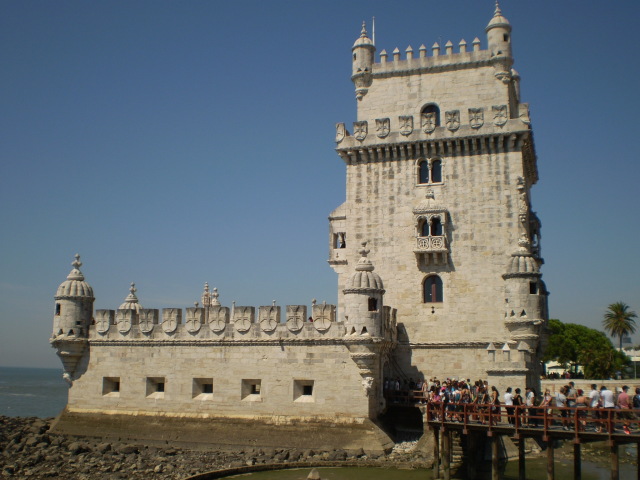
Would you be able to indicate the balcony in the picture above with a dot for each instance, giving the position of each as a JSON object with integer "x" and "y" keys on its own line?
{"x": 431, "y": 250}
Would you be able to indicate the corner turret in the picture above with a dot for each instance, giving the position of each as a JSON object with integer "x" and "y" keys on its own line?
{"x": 364, "y": 299}
{"x": 72, "y": 318}
{"x": 499, "y": 42}
{"x": 362, "y": 63}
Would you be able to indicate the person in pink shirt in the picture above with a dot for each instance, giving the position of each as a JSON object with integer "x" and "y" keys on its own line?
{"x": 624, "y": 404}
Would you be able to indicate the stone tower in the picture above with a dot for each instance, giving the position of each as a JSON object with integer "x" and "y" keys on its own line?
{"x": 439, "y": 166}
{"x": 72, "y": 319}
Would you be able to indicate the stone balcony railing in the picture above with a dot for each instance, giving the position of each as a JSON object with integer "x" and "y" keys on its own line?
{"x": 431, "y": 244}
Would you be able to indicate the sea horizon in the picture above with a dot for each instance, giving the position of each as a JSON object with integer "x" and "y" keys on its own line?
{"x": 32, "y": 391}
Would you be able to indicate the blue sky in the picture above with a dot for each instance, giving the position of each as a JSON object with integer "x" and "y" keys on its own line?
{"x": 177, "y": 143}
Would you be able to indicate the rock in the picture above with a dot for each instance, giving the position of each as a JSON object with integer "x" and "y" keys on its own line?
{"x": 103, "y": 448}
{"x": 76, "y": 448}
{"x": 158, "y": 468}
{"x": 128, "y": 449}
{"x": 338, "y": 455}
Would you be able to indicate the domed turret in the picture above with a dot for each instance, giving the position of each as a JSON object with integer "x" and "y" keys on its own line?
{"x": 74, "y": 304}
{"x": 131, "y": 302}
{"x": 362, "y": 63}
{"x": 499, "y": 40}
{"x": 364, "y": 298}
{"x": 72, "y": 318}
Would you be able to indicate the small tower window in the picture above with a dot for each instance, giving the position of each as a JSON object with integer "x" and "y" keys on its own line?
{"x": 533, "y": 288}
{"x": 433, "y": 289}
{"x": 436, "y": 171}
{"x": 436, "y": 227}
{"x": 506, "y": 37}
{"x": 373, "y": 304}
{"x": 423, "y": 172}
{"x": 426, "y": 229}
{"x": 57, "y": 309}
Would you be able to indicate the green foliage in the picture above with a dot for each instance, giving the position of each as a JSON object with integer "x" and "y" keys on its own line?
{"x": 619, "y": 320}
{"x": 571, "y": 345}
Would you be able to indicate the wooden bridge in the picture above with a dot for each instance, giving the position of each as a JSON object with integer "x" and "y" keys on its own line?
{"x": 577, "y": 425}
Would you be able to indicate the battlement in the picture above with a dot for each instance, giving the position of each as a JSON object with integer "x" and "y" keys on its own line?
{"x": 438, "y": 60}
{"x": 236, "y": 323}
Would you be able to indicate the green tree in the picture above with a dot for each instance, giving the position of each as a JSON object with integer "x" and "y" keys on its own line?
{"x": 619, "y": 320}
{"x": 572, "y": 345}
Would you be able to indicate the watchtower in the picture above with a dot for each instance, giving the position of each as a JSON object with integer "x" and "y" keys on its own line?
{"x": 440, "y": 163}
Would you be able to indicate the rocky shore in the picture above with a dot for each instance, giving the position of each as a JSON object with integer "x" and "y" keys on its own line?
{"x": 28, "y": 450}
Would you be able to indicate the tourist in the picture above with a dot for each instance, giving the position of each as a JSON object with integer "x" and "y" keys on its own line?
{"x": 531, "y": 402}
{"x": 547, "y": 399}
{"x": 582, "y": 402}
{"x": 624, "y": 405}
{"x": 594, "y": 402}
{"x": 508, "y": 405}
{"x": 606, "y": 399}
{"x": 495, "y": 404}
{"x": 517, "y": 403}
{"x": 561, "y": 403}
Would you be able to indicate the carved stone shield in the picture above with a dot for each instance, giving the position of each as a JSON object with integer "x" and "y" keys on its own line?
{"x": 103, "y": 320}
{"x": 382, "y": 127}
{"x": 124, "y": 320}
{"x": 218, "y": 318}
{"x": 453, "y": 120}
{"x": 428, "y": 122}
{"x": 499, "y": 115}
{"x": 360, "y": 130}
{"x": 406, "y": 124}
{"x": 476, "y": 117}
{"x": 341, "y": 132}
{"x": 295, "y": 323}
{"x": 193, "y": 324}
{"x": 269, "y": 318}
{"x": 148, "y": 318}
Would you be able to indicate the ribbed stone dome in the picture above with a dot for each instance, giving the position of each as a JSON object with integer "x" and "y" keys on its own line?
{"x": 74, "y": 285}
{"x": 364, "y": 276}
{"x": 363, "y": 39}
{"x": 498, "y": 20}
{"x": 523, "y": 263}
{"x": 131, "y": 302}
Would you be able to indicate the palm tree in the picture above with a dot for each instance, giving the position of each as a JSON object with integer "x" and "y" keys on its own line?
{"x": 619, "y": 320}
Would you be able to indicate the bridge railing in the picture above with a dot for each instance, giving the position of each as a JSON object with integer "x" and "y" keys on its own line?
{"x": 576, "y": 420}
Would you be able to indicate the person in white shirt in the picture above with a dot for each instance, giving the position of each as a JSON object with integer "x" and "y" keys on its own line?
{"x": 594, "y": 402}
{"x": 508, "y": 402}
{"x": 561, "y": 402}
{"x": 607, "y": 400}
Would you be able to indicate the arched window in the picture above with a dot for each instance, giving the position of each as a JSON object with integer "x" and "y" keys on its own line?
{"x": 425, "y": 229}
{"x": 436, "y": 171}
{"x": 436, "y": 227}
{"x": 432, "y": 108}
{"x": 432, "y": 289}
{"x": 424, "y": 172}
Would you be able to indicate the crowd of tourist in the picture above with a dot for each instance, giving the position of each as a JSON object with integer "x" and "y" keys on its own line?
{"x": 484, "y": 403}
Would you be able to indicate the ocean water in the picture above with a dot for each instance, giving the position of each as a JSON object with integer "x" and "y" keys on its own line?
{"x": 32, "y": 392}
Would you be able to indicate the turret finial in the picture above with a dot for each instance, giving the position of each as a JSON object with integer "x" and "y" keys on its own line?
{"x": 215, "y": 302}
{"x": 497, "y": 11}
{"x": 75, "y": 273}
{"x": 363, "y": 32}
{"x": 364, "y": 264}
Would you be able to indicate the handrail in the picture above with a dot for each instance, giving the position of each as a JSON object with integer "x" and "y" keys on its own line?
{"x": 547, "y": 418}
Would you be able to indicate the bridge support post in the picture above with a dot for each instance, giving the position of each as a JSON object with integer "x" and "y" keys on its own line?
{"x": 436, "y": 453}
{"x": 471, "y": 455}
{"x": 577, "y": 462}
{"x": 550, "y": 465}
{"x": 446, "y": 454}
{"x": 495, "y": 464}
{"x": 615, "y": 471}
{"x": 522, "y": 469}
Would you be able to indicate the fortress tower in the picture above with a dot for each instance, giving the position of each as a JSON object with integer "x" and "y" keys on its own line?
{"x": 439, "y": 168}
